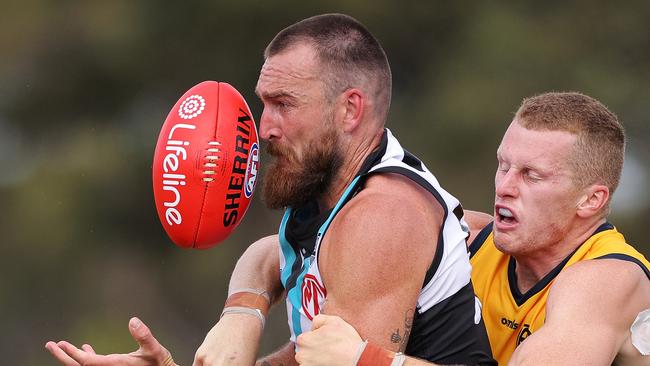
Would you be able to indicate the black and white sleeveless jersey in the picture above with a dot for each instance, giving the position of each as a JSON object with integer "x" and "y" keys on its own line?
{"x": 447, "y": 326}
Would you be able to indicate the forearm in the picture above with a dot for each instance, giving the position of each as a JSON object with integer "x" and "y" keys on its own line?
{"x": 285, "y": 356}
{"x": 259, "y": 268}
{"x": 234, "y": 340}
{"x": 254, "y": 284}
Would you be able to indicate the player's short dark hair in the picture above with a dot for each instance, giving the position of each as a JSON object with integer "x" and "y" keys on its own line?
{"x": 349, "y": 54}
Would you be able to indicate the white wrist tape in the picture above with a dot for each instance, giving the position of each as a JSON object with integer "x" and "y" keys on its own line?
{"x": 398, "y": 360}
{"x": 640, "y": 330}
{"x": 243, "y": 310}
{"x": 362, "y": 347}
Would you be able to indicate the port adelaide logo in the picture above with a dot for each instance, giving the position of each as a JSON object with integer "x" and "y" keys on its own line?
{"x": 313, "y": 293}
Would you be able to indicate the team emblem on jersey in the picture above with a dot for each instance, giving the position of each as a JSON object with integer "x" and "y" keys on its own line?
{"x": 523, "y": 334}
{"x": 312, "y": 294}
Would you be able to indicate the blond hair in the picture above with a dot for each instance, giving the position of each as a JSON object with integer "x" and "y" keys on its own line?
{"x": 599, "y": 150}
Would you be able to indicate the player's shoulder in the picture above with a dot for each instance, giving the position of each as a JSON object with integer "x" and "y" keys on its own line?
{"x": 601, "y": 271}
{"x": 389, "y": 206}
{"x": 397, "y": 192}
{"x": 392, "y": 221}
{"x": 607, "y": 282}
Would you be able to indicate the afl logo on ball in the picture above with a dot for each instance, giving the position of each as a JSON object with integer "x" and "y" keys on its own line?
{"x": 191, "y": 107}
{"x": 251, "y": 170}
{"x": 312, "y": 295}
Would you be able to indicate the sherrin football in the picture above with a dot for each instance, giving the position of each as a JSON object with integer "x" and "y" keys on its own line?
{"x": 205, "y": 165}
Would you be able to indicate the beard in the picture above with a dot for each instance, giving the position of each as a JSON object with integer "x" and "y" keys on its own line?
{"x": 291, "y": 181}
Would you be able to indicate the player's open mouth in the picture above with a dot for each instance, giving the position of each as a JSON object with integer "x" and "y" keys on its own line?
{"x": 505, "y": 216}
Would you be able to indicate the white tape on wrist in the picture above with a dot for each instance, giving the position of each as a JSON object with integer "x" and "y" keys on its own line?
{"x": 362, "y": 347}
{"x": 398, "y": 360}
{"x": 640, "y": 330}
{"x": 243, "y": 310}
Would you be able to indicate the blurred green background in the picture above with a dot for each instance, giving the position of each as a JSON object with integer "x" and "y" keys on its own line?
{"x": 86, "y": 85}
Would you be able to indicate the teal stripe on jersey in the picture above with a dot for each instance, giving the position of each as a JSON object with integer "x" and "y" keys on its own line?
{"x": 294, "y": 294}
{"x": 295, "y": 297}
{"x": 336, "y": 209}
{"x": 287, "y": 250}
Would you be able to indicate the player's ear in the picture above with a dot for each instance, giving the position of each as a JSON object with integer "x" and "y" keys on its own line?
{"x": 352, "y": 107}
{"x": 595, "y": 197}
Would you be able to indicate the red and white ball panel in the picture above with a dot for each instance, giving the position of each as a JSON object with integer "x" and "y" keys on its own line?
{"x": 205, "y": 165}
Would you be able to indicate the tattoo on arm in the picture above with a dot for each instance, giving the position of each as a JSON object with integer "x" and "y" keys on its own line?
{"x": 395, "y": 337}
{"x": 408, "y": 325}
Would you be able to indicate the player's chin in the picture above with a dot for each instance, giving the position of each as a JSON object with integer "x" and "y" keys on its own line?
{"x": 505, "y": 241}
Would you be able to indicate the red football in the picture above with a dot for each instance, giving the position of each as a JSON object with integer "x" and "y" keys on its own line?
{"x": 205, "y": 165}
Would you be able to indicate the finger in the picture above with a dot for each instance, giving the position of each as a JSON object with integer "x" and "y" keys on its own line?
{"x": 299, "y": 357}
{"x": 199, "y": 359}
{"x": 88, "y": 348}
{"x": 300, "y": 341}
{"x": 142, "y": 334}
{"x": 307, "y": 340}
{"x": 74, "y": 352}
{"x": 60, "y": 355}
{"x": 322, "y": 319}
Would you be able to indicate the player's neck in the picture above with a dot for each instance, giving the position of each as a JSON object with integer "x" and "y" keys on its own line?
{"x": 354, "y": 157}
{"x": 533, "y": 267}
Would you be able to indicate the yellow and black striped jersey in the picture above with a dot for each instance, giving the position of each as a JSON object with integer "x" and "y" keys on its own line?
{"x": 511, "y": 316}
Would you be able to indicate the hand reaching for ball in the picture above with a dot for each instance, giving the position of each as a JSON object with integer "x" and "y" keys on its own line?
{"x": 150, "y": 353}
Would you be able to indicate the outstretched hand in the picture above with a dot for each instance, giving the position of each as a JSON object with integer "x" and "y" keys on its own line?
{"x": 150, "y": 353}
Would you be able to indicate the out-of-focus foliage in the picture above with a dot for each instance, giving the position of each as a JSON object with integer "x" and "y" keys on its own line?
{"x": 85, "y": 86}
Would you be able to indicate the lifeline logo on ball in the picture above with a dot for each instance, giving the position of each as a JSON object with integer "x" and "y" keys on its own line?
{"x": 251, "y": 170}
{"x": 191, "y": 107}
{"x": 176, "y": 149}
